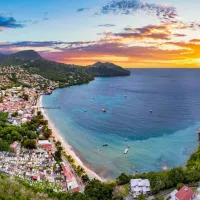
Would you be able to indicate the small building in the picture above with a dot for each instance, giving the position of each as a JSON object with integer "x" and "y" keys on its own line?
{"x": 139, "y": 186}
{"x": 172, "y": 195}
{"x": 34, "y": 178}
{"x": 47, "y": 146}
{"x": 198, "y": 194}
{"x": 43, "y": 142}
{"x": 14, "y": 146}
{"x": 185, "y": 193}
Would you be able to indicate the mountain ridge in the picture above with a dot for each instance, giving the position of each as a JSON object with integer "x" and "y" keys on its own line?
{"x": 104, "y": 69}
{"x": 22, "y": 55}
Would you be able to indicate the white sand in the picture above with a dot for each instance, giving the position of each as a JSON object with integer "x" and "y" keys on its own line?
{"x": 66, "y": 147}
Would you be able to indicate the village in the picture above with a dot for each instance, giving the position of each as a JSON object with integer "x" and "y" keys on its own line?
{"x": 36, "y": 165}
{"x": 39, "y": 165}
{"x": 16, "y": 75}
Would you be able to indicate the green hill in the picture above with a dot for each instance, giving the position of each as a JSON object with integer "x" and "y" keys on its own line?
{"x": 35, "y": 64}
{"x": 64, "y": 73}
{"x": 107, "y": 69}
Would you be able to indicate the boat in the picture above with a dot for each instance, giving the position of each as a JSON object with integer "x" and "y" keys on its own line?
{"x": 105, "y": 144}
{"x": 104, "y": 110}
{"x": 151, "y": 111}
{"x": 128, "y": 146}
{"x": 126, "y": 151}
{"x": 125, "y": 139}
{"x": 125, "y": 95}
{"x": 85, "y": 111}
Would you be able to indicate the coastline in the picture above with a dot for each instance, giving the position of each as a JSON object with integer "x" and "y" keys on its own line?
{"x": 66, "y": 147}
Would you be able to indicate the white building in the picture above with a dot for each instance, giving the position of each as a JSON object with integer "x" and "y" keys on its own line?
{"x": 140, "y": 186}
{"x": 172, "y": 195}
{"x": 43, "y": 142}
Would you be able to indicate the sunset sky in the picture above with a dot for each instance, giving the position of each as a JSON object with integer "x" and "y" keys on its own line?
{"x": 130, "y": 33}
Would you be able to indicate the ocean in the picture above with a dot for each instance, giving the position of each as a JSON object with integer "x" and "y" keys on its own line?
{"x": 159, "y": 140}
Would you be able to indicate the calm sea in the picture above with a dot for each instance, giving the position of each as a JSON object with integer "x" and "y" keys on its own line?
{"x": 164, "y": 138}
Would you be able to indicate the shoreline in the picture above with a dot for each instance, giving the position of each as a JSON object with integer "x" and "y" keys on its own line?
{"x": 66, "y": 147}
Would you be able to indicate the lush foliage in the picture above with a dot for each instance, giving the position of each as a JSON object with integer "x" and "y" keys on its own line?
{"x": 165, "y": 179}
{"x": 194, "y": 161}
{"x": 99, "y": 191}
{"x": 63, "y": 73}
{"x": 11, "y": 189}
{"x": 4, "y": 146}
{"x": 26, "y": 134}
{"x": 14, "y": 114}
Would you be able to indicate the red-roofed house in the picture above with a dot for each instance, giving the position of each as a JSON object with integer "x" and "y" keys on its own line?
{"x": 67, "y": 173}
{"x": 47, "y": 146}
{"x": 35, "y": 178}
{"x": 14, "y": 146}
{"x": 185, "y": 193}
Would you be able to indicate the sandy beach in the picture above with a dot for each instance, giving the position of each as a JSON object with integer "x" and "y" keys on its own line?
{"x": 67, "y": 148}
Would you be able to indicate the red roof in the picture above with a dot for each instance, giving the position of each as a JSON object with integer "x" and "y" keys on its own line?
{"x": 47, "y": 146}
{"x": 77, "y": 189}
{"x": 35, "y": 177}
{"x": 185, "y": 193}
{"x": 67, "y": 173}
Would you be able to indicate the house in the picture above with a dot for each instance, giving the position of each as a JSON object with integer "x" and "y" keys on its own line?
{"x": 43, "y": 142}
{"x": 198, "y": 194}
{"x": 172, "y": 195}
{"x": 47, "y": 146}
{"x": 14, "y": 146}
{"x": 185, "y": 193}
{"x": 139, "y": 186}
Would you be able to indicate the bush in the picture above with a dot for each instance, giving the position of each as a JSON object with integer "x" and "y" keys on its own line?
{"x": 14, "y": 114}
{"x": 179, "y": 186}
{"x": 99, "y": 191}
{"x": 29, "y": 144}
{"x": 123, "y": 179}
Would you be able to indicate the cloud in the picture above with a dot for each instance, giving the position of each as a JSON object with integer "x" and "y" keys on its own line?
{"x": 107, "y": 25}
{"x": 87, "y": 52}
{"x": 58, "y": 45}
{"x": 179, "y": 35}
{"x": 82, "y": 9}
{"x": 9, "y": 22}
{"x": 155, "y": 32}
{"x": 195, "y": 40}
{"x": 36, "y": 21}
{"x": 128, "y": 7}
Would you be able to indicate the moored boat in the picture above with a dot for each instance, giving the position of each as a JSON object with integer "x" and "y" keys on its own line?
{"x": 126, "y": 151}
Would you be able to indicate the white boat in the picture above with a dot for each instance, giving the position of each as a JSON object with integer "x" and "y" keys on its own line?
{"x": 125, "y": 139}
{"x": 104, "y": 110}
{"x": 126, "y": 151}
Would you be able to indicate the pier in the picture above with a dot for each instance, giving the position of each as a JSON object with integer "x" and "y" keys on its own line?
{"x": 50, "y": 107}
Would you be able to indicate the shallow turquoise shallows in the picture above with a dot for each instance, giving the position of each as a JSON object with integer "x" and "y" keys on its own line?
{"x": 162, "y": 139}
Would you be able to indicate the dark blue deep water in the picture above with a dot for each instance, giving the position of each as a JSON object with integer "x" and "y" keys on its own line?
{"x": 164, "y": 138}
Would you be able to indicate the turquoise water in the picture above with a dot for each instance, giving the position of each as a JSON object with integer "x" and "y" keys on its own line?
{"x": 165, "y": 138}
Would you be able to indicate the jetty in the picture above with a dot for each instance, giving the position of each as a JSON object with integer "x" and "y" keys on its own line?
{"x": 50, "y": 107}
